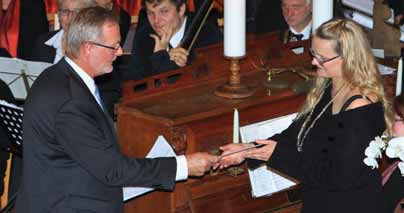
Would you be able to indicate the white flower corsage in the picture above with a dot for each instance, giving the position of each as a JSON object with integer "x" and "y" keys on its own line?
{"x": 394, "y": 149}
{"x": 374, "y": 151}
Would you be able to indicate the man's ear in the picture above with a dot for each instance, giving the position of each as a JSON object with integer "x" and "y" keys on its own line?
{"x": 182, "y": 10}
{"x": 86, "y": 48}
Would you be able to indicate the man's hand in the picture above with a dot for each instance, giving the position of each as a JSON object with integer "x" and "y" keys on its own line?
{"x": 199, "y": 163}
{"x": 179, "y": 55}
{"x": 161, "y": 41}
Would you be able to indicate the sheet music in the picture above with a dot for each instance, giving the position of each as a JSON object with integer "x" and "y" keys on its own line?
{"x": 20, "y": 74}
{"x": 385, "y": 70}
{"x": 161, "y": 148}
{"x": 264, "y": 181}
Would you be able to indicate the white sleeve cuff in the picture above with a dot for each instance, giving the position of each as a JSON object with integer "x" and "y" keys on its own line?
{"x": 182, "y": 168}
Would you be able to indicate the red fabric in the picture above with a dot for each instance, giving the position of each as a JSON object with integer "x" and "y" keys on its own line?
{"x": 131, "y": 6}
{"x": 388, "y": 172}
{"x": 10, "y": 27}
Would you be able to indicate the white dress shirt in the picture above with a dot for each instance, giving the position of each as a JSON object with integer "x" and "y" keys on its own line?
{"x": 305, "y": 32}
{"x": 177, "y": 37}
{"x": 56, "y": 42}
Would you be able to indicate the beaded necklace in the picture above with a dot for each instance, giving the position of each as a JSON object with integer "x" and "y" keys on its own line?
{"x": 300, "y": 140}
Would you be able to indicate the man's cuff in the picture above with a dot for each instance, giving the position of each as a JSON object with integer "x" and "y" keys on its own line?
{"x": 182, "y": 168}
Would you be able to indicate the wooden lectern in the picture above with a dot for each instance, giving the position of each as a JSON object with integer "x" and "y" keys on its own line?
{"x": 188, "y": 114}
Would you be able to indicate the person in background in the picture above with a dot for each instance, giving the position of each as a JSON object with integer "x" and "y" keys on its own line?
{"x": 393, "y": 188}
{"x": 21, "y": 22}
{"x": 324, "y": 146}
{"x": 294, "y": 24}
{"x": 72, "y": 161}
{"x": 398, "y": 9}
{"x": 124, "y": 17}
{"x": 48, "y": 46}
{"x": 156, "y": 46}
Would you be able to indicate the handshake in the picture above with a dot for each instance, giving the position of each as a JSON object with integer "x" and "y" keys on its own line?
{"x": 232, "y": 154}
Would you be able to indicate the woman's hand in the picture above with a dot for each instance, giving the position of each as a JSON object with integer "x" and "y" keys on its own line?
{"x": 233, "y": 159}
{"x": 263, "y": 153}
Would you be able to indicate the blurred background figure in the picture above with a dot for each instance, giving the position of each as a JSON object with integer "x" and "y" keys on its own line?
{"x": 48, "y": 46}
{"x": 393, "y": 188}
{"x": 21, "y": 22}
{"x": 124, "y": 17}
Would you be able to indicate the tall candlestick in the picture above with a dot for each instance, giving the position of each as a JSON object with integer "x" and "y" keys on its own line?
{"x": 235, "y": 127}
{"x": 234, "y": 28}
{"x": 399, "y": 80}
{"x": 322, "y": 12}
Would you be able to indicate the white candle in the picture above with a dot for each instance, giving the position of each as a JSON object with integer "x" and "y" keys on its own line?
{"x": 322, "y": 12}
{"x": 234, "y": 28}
{"x": 235, "y": 126}
{"x": 399, "y": 80}
{"x": 56, "y": 23}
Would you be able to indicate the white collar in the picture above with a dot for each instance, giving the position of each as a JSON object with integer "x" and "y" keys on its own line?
{"x": 177, "y": 37}
{"x": 305, "y": 32}
{"x": 88, "y": 80}
{"x": 56, "y": 40}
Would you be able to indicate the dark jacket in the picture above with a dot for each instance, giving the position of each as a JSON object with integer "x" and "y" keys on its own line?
{"x": 71, "y": 154}
{"x": 145, "y": 63}
{"x": 331, "y": 167}
{"x": 43, "y": 52}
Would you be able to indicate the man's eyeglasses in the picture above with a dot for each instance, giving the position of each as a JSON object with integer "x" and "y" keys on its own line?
{"x": 68, "y": 12}
{"x": 320, "y": 59}
{"x": 116, "y": 48}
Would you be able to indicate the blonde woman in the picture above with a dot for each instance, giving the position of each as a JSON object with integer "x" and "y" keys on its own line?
{"x": 324, "y": 147}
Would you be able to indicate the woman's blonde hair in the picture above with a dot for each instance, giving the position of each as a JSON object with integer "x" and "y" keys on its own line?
{"x": 359, "y": 68}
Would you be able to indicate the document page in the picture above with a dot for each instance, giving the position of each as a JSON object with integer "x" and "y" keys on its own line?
{"x": 161, "y": 148}
{"x": 264, "y": 181}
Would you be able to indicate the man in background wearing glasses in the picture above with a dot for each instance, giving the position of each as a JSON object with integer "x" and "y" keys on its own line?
{"x": 48, "y": 47}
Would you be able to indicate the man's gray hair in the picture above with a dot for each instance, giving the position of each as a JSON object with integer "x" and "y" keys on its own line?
{"x": 87, "y": 26}
{"x": 82, "y": 3}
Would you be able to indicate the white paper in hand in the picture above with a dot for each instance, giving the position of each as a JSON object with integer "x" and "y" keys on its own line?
{"x": 161, "y": 148}
{"x": 264, "y": 181}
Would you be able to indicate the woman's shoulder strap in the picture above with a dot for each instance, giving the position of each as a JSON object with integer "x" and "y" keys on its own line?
{"x": 352, "y": 99}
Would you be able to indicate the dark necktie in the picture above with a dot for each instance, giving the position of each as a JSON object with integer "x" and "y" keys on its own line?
{"x": 296, "y": 37}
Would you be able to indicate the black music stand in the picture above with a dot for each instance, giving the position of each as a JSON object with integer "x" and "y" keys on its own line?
{"x": 11, "y": 120}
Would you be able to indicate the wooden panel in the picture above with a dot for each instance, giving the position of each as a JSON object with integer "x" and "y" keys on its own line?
{"x": 192, "y": 119}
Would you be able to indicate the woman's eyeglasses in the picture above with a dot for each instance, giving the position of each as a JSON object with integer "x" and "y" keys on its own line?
{"x": 321, "y": 60}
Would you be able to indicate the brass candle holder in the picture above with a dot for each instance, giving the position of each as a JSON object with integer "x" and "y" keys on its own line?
{"x": 233, "y": 89}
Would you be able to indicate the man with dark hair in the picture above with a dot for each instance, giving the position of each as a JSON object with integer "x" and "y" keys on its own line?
{"x": 157, "y": 45}
{"x": 72, "y": 161}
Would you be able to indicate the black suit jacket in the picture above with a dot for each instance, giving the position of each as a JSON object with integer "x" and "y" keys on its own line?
{"x": 43, "y": 52}
{"x": 124, "y": 24}
{"x": 33, "y": 22}
{"x": 72, "y": 161}
{"x": 145, "y": 63}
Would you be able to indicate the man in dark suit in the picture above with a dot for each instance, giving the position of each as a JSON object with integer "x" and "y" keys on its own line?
{"x": 156, "y": 46}
{"x": 72, "y": 161}
{"x": 48, "y": 46}
{"x": 295, "y": 24}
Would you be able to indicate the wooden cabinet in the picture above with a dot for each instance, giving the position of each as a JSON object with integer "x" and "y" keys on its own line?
{"x": 193, "y": 119}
